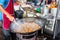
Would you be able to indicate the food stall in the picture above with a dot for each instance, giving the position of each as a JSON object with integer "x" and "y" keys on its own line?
{"x": 28, "y": 21}
{"x": 40, "y": 17}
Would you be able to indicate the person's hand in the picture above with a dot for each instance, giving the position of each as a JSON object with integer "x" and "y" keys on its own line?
{"x": 11, "y": 18}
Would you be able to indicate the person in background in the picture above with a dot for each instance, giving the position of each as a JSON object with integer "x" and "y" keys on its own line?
{"x": 21, "y": 1}
{"x": 35, "y": 2}
{"x": 42, "y": 3}
{"x": 48, "y": 1}
{"x": 17, "y": 2}
{"x": 39, "y": 2}
{"x": 6, "y": 15}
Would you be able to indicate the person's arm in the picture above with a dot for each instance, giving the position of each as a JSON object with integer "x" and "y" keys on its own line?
{"x": 11, "y": 18}
{"x": 18, "y": 2}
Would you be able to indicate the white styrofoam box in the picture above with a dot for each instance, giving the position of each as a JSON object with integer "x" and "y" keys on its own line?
{"x": 46, "y": 10}
{"x": 16, "y": 7}
{"x": 54, "y": 11}
{"x": 22, "y": 1}
{"x": 25, "y": 5}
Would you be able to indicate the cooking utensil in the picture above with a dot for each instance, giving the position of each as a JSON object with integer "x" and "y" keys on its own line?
{"x": 18, "y": 24}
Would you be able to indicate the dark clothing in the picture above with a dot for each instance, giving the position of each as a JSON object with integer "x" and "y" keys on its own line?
{"x": 49, "y": 1}
{"x": 7, "y": 34}
{"x": 35, "y": 2}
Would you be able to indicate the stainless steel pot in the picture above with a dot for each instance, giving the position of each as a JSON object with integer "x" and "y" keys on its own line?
{"x": 14, "y": 27}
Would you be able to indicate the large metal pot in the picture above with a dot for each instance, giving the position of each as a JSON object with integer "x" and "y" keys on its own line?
{"x": 38, "y": 21}
{"x": 27, "y": 35}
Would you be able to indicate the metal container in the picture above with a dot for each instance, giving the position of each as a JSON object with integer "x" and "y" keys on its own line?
{"x": 27, "y": 35}
{"x": 31, "y": 36}
{"x": 21, "y": 23}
